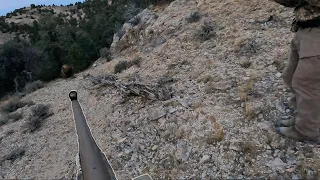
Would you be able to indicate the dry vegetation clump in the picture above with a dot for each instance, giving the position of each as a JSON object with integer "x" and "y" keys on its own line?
{"x": 193, "y": 17}
{"x": 13, "y": 104}
{"x": 33, "y": 86}
{"x": 15, "y": 116}
{"x": 15, "y": 154}
{"x": 124, "y": 65}
{"x": 206, "y": 31}
{"x": 39, "y": 114}
{"x": 4, "y": 119}
{"x": 105, "y": 53}
{"x": 245, "y": 64}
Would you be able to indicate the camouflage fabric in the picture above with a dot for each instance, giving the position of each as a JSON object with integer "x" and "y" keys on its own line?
{"x": 304, "y": 9}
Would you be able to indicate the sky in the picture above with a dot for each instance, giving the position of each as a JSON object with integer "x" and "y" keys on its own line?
{"x": 10, "y": 5}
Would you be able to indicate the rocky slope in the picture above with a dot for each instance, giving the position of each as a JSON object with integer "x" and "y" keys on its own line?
{"x": 219, "y": 124}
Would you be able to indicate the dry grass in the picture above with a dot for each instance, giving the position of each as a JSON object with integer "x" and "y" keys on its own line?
{"x": 249, "y": 110}
{"x": 245, "y": 90}
{"x": 219, "y": 133}
{"x": 13, "y": 104}
{"x": 197, "y": 105}
{"x": 205, "y": 79}
{"x": 249, "y": 148}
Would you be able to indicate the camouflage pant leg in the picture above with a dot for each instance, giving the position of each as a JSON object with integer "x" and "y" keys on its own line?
{"x": 306, "y": 82}
{"x": 290, "y": 68}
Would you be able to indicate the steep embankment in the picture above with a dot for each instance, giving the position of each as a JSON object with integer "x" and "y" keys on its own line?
{"x": 228, "y": 93}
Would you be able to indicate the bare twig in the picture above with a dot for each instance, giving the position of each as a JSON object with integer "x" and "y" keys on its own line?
{"x": 137, "y": 88}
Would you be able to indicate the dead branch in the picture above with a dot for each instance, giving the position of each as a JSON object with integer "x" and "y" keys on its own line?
{"x": 137, "y": 88}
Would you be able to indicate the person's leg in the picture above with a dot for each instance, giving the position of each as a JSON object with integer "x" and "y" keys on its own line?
{"x": 290, "y": 68}
{"x": 306, "y": 83}
{"x": 287, "y": 76}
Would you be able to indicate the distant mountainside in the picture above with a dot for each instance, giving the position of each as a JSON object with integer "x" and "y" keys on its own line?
{"x": 43, "y": 38}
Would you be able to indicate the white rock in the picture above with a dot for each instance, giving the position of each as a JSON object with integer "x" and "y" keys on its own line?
{"x": 277, "y": 163}
{"x": 204, "y": 159}
{"x": 278, "y": 75}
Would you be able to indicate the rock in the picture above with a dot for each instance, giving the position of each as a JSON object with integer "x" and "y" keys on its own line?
{"x": 234, "y": 147}
{"x": 260, "y": 116}
{"x": 155, "y": 147}
{"x": 172, "y": 109}
{"x": 278, "y": 75}
{"x": 311, "y": 173}
{"x": 204, "y": 159}
{"x": 295, "y": 177}
{"x": 182, "y": 152}
{"x": 122, "y": 140}
{"x": 162, "y": 121}
{"x": 290, "y": 170}
{"x": 276, "y": 164}
{"x": 157, "y": 113}
{"x": 184, "y": 103}
{"x": 285, "y": 117}
{"x": 127, "y": 151}
{"x": 264, "y": 126}
{"x": 280, "y": 107}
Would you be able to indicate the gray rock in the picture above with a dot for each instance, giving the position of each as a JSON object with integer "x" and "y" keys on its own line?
{"x": 277, "y": 163}
{"x": 184, "y": 103}
{"x": 171, "y": 109}
{"x": 264, "y": 126}
{"x": 280, "y": 107}
{"x": 204, "y": 159}
{"x": 156, "y": 114}
{"x": 311, "y": 173}
{"x": 295, "y": 177}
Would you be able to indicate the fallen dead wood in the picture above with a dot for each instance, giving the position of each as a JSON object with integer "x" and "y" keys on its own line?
{"x": 158, "y": 91}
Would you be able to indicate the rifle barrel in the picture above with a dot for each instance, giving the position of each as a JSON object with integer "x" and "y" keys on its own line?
{"x": 94, "y": 163}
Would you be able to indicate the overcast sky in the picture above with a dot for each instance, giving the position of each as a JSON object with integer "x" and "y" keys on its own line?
{"x": 10, "y": 5}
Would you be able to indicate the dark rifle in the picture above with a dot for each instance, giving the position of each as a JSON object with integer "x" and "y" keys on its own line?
{"x": 94, "y": 164}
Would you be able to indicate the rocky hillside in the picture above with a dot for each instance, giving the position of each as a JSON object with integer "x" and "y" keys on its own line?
{"x": 223, "y": 60}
